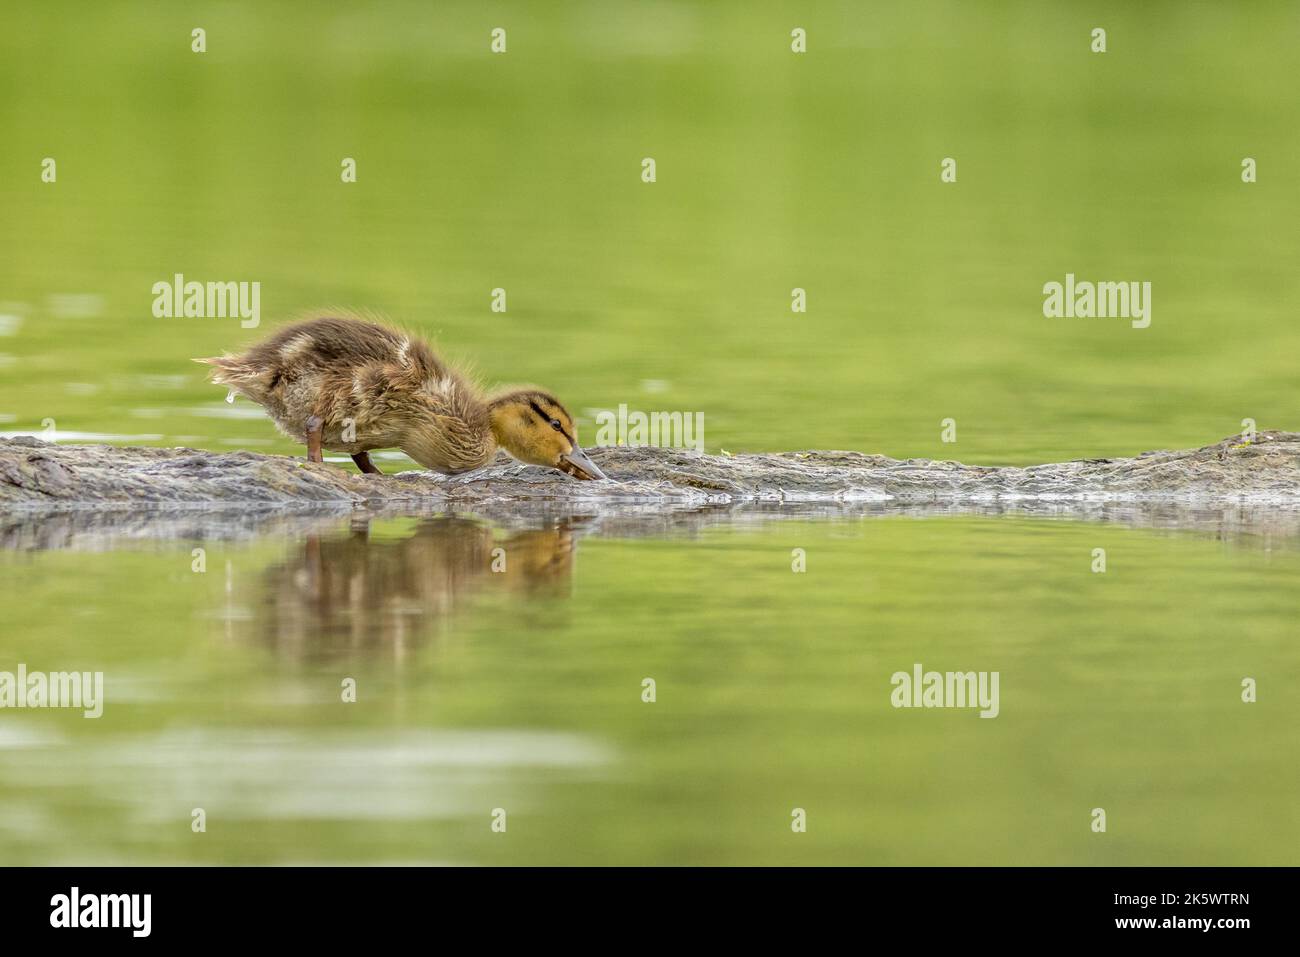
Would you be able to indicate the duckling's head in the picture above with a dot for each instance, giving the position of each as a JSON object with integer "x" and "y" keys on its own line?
{"x": 533, "y": 427}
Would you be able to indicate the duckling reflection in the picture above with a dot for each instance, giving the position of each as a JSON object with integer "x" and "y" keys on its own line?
{"x": 361, "y": 592}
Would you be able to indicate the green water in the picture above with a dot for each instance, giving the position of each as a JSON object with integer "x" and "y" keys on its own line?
{"x": 522, "y": 690}
{"x": 774, "y": 171}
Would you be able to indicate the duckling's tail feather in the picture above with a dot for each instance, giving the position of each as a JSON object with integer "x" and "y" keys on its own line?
{"x": 227, "y": 369}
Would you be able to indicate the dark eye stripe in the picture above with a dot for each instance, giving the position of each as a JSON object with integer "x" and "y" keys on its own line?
{"x": 547, "y": 419}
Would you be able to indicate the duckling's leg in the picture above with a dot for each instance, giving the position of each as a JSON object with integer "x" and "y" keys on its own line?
{"x": 314, "y": 425}
{"x": 363, "y": 462}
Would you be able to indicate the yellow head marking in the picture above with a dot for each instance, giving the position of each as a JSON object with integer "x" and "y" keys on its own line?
{"x": 533, "y": 427}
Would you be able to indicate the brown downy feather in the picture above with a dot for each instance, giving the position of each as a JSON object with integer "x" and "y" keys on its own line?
{"x": 386, "y": 388}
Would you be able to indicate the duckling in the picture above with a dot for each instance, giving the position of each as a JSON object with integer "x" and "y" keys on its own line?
{"x": 349, "y": 385}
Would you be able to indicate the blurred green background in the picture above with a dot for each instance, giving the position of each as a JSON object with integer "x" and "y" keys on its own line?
{"x": 775, "y": 171}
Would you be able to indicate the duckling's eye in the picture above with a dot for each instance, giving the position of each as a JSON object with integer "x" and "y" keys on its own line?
{"x": 555, "y": 424}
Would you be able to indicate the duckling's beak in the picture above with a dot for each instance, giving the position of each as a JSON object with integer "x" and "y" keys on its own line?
{"x": 577, "y": 464}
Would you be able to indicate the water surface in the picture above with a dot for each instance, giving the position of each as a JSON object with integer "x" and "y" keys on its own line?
{"x": 522, "y": 689}
{"x": 775, "y": 171}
